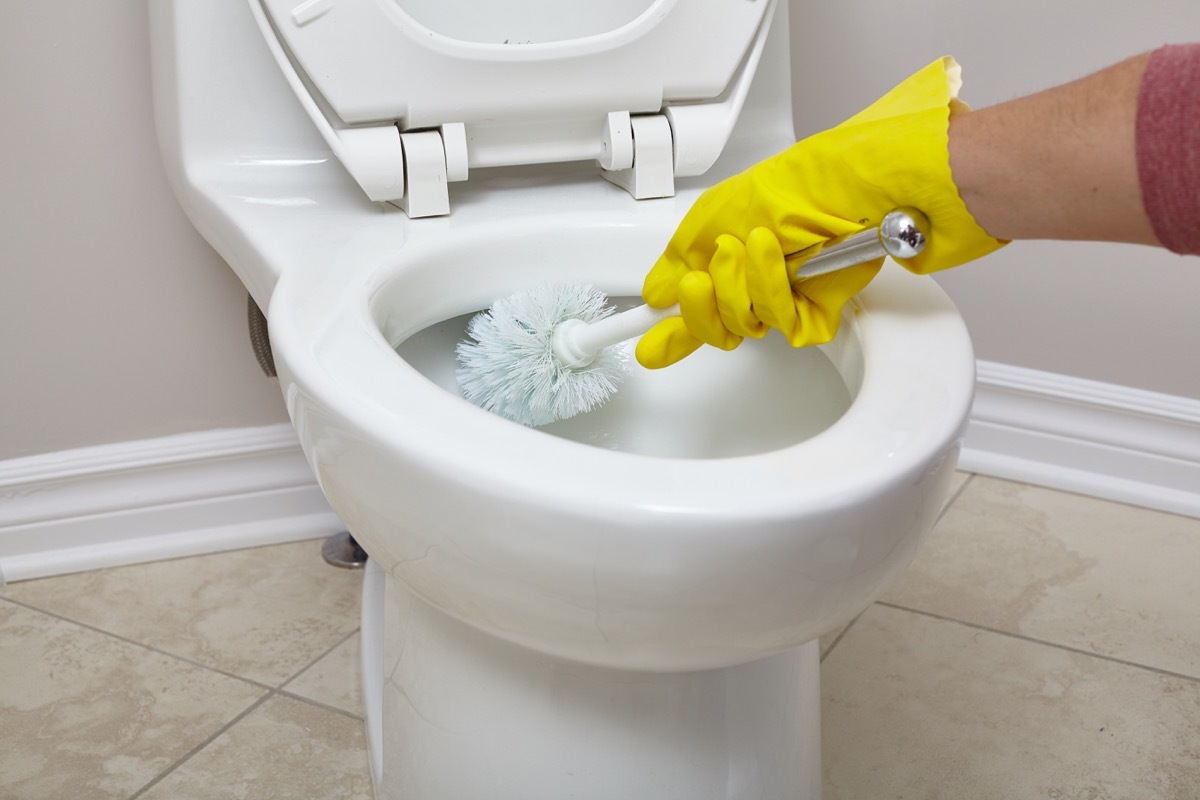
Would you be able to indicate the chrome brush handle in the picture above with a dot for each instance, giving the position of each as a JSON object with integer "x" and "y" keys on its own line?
{"x": 902, "y": 234}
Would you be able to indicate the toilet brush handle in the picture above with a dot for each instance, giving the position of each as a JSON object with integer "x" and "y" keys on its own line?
{"x": 901, "y": 234}
{"x": 576, "y": 343}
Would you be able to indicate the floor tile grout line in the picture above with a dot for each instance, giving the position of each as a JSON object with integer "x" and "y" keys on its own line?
{"x": 313, "y": 663}
{"x": 971, "y": 476}
{"x": 1031, "y": 640}
{"x": 839, "y": 637}
{"x": 198, "y": 748}
{"x": 228, "y": 726}
{"x": 142, "y": 645}
{"x": 269, "y": 691}
{"x": 284, "y": 691}
{"x": 954, "y": 497}
{"x": 318, "y": 704}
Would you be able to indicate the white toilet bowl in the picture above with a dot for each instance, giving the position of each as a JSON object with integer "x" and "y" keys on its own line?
{"x": 621, "y": 605}
{"x": 736, "y": 505}
{"x": 586, "y": 610}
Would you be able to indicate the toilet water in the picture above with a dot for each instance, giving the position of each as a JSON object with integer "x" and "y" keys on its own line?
{"x": 763, "y": 396}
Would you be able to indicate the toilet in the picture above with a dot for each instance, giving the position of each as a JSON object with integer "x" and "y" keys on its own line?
{"x": 626, "y": 604}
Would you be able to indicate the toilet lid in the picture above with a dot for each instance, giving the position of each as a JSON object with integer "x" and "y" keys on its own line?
{"x": 520, "y": 81}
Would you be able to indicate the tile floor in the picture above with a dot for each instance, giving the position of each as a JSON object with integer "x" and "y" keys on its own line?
{"x": 1043, "y": 645}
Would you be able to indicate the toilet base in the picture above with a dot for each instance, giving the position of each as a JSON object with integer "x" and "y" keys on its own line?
{"x": 455, "y": 714}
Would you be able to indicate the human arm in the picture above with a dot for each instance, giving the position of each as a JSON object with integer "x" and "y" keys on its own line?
{"x": 1059, "y": 164}
{"x": 725, "y": 264}
{"x": 1114, "y": 156}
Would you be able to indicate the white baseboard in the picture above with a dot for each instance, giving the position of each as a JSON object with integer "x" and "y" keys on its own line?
{"x": 138, "y": 501}
{"x": 1083, "y": 436}
{"x": 147, "y": 500}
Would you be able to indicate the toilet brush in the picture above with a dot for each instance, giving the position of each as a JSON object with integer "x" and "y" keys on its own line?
{"x": 550, "y": 353}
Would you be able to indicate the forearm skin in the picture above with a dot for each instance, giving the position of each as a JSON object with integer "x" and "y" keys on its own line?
{"x": 1060, "y": 164}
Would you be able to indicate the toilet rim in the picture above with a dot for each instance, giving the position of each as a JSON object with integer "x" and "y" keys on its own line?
{"x": 911, "y": 408}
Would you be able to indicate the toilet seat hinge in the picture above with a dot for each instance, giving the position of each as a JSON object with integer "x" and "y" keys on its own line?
{"x": 638, "y": 154}
{"x": 432, "y": 159}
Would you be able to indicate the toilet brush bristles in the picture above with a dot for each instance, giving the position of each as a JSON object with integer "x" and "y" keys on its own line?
{"x": 508, "y": 366}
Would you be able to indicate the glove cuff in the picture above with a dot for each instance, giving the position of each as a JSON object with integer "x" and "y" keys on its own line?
{"x": 897, "y": 151}
{"x": 956, "y": 237}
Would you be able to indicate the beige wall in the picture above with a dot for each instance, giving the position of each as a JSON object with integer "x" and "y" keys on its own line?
{"x": 1115, "y": 313}
{"x": 118, "y": 322}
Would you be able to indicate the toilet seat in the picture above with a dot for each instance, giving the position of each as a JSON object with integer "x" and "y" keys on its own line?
{"x": 408, "y": 109}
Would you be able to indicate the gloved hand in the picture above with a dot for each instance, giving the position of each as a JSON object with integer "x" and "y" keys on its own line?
{"x": 725, "y": 263}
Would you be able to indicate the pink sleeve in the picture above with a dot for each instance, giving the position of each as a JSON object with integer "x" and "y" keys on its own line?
{"x": 1168, "y": 145}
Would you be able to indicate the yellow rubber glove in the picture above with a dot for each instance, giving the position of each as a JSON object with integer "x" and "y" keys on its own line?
{"x": 725, "y": 263}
